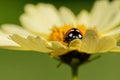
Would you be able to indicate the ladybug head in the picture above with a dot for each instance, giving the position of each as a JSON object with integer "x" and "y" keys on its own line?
{"x": 72, "y": 34}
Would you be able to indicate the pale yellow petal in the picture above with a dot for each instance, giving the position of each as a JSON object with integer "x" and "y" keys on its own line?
{"x": 105, "y": 44}
{"x": 115, "y": 33}
{"x": 113, "y": 23}
{"x": 116, "y": 49}
{"x": 2, "y": 33}
{"x": 15, "y": 29}
{"x": 31, "y": 10}
{"x": 99, "y": 11}
{"x": 40, "y": 44}
{"x": 32, "y": 43}
{"x": 110, "y": 14}
{"x": 67, "y": 15}
{"x": 30, "y": 19}
{"x": 58, "y": 49}
{"x": 21, "y": 41}
{"x": 84, "y": 18}
{"x": 50, "y": 14}
{"x": 5, "y": 41}
{"x": 89, "y": 41}
{"x": 116, "y": 4}
{"x": 75, "y": 44}
{"x": 34, "y": 27}
{"x": 41, "y": 18}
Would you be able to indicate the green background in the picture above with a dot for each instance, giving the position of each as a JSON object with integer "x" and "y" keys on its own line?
{"x": 23, "y": 65}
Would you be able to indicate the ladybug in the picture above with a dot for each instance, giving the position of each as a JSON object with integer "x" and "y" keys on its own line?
{"x": 72, "y": 34}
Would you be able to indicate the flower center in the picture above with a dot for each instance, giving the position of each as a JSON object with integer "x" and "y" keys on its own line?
{"x": 67, "y": 33}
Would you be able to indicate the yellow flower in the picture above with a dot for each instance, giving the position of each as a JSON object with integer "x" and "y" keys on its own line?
{"x": 45, "y": 29}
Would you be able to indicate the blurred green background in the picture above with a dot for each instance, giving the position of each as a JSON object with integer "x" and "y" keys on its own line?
{"x": 22, "y": 65}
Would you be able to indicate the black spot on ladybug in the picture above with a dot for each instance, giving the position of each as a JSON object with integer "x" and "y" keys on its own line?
{"x": 72, "y": 34}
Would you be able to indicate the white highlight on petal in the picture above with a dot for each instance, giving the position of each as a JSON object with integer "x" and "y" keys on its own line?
{"x": 4, "y": 41}
{"x": 67, "y": 15}
{"x": 11, "y": 29}
{"x": 40, "y": 18}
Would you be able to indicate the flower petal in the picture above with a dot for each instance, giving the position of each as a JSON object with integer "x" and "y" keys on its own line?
{"x": 40, "y": 18}
{"x": 58, "y": 49}
{"x": 5, "y": 41}
{"x": 116, "y": 49}
{"x": 67, "y": 15}
{"x": 40, "y": 44}
{"x": 89, "y": 41}
{"x": 115, "y": 33}
{"x": 32, "y": 43}
{"x": 75, "y": 44}
{"x": 98, "y": 12}
{"x": 105, "y": 44}
{"x": 113, "y": 23}
{"x": 110, "y": 14}
{"x": 84, "y": 18}
{"x": 15, "y": 29}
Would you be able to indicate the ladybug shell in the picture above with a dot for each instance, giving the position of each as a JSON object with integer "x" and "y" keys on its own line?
{"x": 72, "y": 34}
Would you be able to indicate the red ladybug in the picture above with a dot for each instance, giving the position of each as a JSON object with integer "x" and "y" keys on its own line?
{"x": 72, "y": 34}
